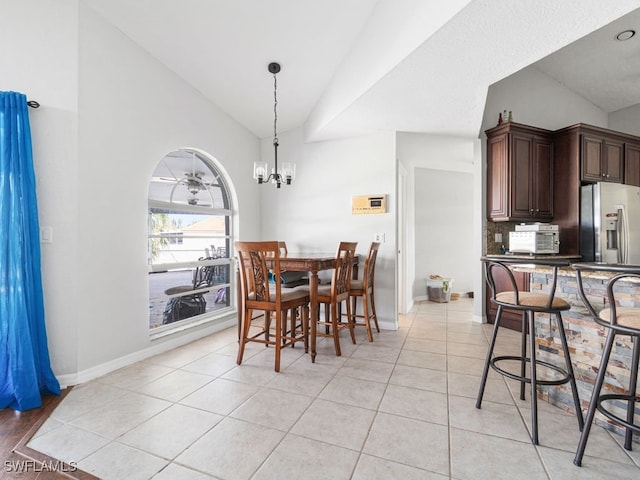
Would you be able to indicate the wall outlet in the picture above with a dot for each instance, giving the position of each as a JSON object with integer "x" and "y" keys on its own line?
{"x": 46, "y": 234}
{"x": 498, "y": 238}
{"x": 378, "y": 237}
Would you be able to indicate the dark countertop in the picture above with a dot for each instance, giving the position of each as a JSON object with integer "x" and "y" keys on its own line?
{"x": 526, "y": 256}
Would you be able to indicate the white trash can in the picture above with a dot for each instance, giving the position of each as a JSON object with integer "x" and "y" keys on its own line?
{"x": 439, "y": 289}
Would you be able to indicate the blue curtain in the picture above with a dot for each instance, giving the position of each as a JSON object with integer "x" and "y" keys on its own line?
{"x": 25, "y": 371}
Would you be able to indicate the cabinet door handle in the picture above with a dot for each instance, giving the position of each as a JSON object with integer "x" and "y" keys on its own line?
{"x": 537, "y": 210}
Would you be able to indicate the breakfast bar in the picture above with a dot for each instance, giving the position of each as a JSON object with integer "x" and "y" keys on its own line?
{"x": 584, "y": 336}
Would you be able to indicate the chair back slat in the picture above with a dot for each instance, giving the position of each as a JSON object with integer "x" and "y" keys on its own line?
{"x": 254, "y": 272}
{"x": 341, "y": 279}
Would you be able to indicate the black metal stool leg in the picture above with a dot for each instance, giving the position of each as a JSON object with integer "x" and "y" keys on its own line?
{"x": 593, "y": 404}
{"x": 487, "y": 362}
{"x": 534, "y": 383}
{"x": 572, "y": 377}
{"x": 523, "y": 352}
{"x": 633, "y": 383}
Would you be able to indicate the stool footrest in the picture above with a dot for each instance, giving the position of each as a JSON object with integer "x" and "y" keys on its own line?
{"x": 622, "y": 421}
{"x": 559, "y": 381}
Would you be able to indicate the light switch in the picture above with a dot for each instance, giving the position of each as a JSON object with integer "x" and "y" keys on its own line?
{"x": 498, "y": 238}
{"x": 378, "y": 237}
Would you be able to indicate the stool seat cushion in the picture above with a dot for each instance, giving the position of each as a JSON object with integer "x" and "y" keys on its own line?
{"x": 528, "y": 299}
{"x": 625, "y": 316}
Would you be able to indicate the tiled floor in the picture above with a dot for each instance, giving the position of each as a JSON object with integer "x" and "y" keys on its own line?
{"x": 400, "y": 407}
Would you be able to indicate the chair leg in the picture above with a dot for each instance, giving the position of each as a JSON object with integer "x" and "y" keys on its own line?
{"x": 572, "y": 377}
{"x": 334, "y": 328}
{"x": 350, "y": 324}
{"x": 267, "y": 326}
{"x": 593, "y": 404}
{"x": 633, "y": 383}
{"x": 372, "y": 303}
{"x": 278, "y": 342}
{"x": 367, "y": 317}
{"x": 305, "y": 327}
{"x": 534, "y": 383}
{"x": 487, "y": 362}
{"x": 244, "y": 333}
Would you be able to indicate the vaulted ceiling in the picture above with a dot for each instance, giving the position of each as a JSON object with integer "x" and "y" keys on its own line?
{"x": 352, "y": 67}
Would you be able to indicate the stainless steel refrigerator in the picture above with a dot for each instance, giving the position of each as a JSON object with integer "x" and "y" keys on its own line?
{"x": 610, "y": 223}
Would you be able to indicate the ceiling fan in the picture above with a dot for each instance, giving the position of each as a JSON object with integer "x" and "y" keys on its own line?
{"x": 195, "y": 184}
{"x": 194, "y": 181}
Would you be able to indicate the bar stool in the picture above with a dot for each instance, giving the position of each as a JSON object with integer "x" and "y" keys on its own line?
{"x": 618, "y": 321}
{"x": 529, "y": 304}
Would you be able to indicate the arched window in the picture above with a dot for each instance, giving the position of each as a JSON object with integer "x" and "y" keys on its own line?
{"x": 190, "y": 235}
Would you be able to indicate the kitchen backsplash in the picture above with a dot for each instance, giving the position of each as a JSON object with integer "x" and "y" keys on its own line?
{"x": 502, "y": 228}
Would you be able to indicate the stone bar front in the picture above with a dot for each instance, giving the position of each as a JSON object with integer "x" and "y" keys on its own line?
{"x": 584, "y": 336}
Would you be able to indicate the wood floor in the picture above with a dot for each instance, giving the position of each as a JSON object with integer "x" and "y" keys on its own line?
{"x": 22, "y": 462}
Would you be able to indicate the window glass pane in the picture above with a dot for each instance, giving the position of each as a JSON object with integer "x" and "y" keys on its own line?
{"x": 189, "y": 239}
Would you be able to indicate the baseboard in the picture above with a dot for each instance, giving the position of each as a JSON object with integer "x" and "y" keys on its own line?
{"x": 156, "y": 349}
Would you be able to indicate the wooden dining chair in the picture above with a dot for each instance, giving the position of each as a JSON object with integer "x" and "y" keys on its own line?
{"x": 256, "y": 259}
{"x": 332, "y": 295}
{"x": 364, "y": 289}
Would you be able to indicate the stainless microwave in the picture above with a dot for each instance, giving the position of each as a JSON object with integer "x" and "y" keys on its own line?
{"x": 542, "y": 242}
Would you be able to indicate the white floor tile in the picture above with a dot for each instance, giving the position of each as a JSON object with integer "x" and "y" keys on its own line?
{"x": 120, "y": 415}
{"x": 335, "y": 423}
{"x": 476, "y": 456}
{"x": 273, "y": 408}
{"x": 373, "y": 468}
{"x": 171, "y": 431}
{"x": 232, "y": 450}
{"x": 68, "y": 443}
{"x": 175, "y": 385}
{"x": 116, "y": 461}
{"x": 411, "y": 442}
{"x": 402, "y": 406}
{"x": 298, "y": 457}
{"x": 220, "y": 396}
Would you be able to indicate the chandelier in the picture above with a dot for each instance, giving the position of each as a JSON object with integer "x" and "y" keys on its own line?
{"x": 285, "y": 174}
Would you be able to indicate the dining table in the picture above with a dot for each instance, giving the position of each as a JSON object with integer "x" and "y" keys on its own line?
{"x": 312, "y": 263}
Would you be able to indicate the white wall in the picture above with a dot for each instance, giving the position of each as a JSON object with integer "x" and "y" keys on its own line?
{"x": 538, "y": 100}
{"x": 132, "y": 111}
{"x": 626, "y": 120}
{"x": 42, "y": 63}
{"x": 314, "y": 214}
{"x": 441, "y": 208}
{"x": 109, "y": 113}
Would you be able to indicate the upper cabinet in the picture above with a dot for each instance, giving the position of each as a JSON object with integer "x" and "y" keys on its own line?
{"x": 520, "y": 173}
{"x": 588, "y": 154}
{"x": 599, "y": 153}
{"x": 602, "y": 158}
{"x": 632, "y": 164}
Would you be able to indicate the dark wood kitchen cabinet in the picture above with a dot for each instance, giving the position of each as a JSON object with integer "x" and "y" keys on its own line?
{"x": 519, "y": 173}
{"x": 632, "y": 164}
{"x": 587, "y": 154}
{"x": 602, "y": 158}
